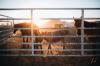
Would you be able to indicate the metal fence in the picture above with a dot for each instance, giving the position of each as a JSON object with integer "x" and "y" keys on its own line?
{"x": 5, "y": 28}
{"x": 77, "y": 40}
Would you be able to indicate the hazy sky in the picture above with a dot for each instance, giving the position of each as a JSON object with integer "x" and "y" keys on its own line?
{"x": 49, "y": 3}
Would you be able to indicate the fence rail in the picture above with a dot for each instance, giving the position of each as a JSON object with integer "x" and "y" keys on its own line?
{"x": 81, "y": 39}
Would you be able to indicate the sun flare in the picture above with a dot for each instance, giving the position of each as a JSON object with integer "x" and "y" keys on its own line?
{"x": 38, "y": 21}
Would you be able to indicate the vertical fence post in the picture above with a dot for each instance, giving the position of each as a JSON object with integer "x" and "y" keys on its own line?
{"x": 13, "y": 25}
{"x": 82, "y": 33}
{"x": 32, "y": 32}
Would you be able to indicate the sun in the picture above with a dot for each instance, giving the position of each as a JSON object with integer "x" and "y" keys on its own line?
{"x": 38, "y": 21}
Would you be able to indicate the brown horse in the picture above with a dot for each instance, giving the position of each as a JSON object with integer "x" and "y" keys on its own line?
{"x": 26, "y": 32}
{"x": 25, "y": 29}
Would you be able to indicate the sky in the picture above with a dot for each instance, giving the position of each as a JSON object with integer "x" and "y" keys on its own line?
{"x": 50, "y": 4}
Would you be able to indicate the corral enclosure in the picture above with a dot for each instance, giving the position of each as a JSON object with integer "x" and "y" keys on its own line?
{"x": 56, "y": 39}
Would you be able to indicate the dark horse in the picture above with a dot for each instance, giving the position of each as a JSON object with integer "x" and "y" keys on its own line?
{"x": 27, "y": 32}
{"x": 92, "y": 29}
{"x": 25, "y": 29}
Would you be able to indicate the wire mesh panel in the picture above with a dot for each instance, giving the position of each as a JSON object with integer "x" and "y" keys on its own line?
{"x": 63, "y": 32}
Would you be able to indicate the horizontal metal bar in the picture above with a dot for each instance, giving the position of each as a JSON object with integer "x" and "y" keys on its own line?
{"x": 67, "y": 18}
{"x": 5, "y": 16}
{"x": 91, "y": 36}
{"x": 15, "y": 19}
{"x": 97, "y": 43}
{"x": 22, "y": 28}
{"x": 3, "y": 26}
{"x": 5, "y": 35}
{"x": 89, "y": 28}
{"x": 16, "y": 8}
{"x": 52, "y": 43}
{"x": 49, "y": 43}
{"x": 65, "y": 28}
{"x": 6, "y": 30}
{"x": 49, "y": 55}
{"x": 51, "y": 36}
{"x": 4, "y": 21}
{"x": 56, "y": 18}
{"x": 49, "y": 8}
{"x": 59, "y": 36}
{"x": 47, "y": 28}
{"x": 6, "y": 27}
{"x": 40, "y": 49}
{"x": 49, "y": 49}
{"x": 91, "y": 49}
{"x": 45, "y": 18}
{"x": 91, "y": 18}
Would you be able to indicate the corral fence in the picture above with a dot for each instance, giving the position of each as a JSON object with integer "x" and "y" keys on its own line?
{"x": 5, "y": 28}
{"x": 78, "y": 39}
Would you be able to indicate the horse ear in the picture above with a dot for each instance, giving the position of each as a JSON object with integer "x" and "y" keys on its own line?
{"x": 81, "y": 17}
{"x": 73, "y": 17}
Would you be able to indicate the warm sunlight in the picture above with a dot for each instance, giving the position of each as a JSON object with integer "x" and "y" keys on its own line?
{"x": 38, "y": 21}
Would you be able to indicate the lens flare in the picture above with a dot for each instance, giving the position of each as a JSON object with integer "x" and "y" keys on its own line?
{"x": 38, "y": 21}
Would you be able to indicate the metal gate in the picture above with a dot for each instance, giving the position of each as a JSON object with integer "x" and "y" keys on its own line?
{"x": 77, "y": 40}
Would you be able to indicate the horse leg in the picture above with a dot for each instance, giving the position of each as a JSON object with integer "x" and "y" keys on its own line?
{"x": 41, "y": 48}
{"x": 23, "y": 42}
{"x": 49, "y": 47}
{"x": 26, "y": 39}
{"x": 23, "y": 39}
